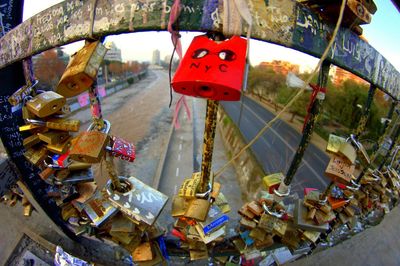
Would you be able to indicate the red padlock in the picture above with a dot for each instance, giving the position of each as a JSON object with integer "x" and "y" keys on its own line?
{"x": 122, "y": 149}
{"x": 212, "y": 70}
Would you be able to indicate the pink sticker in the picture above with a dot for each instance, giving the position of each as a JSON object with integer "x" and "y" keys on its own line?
{"x": 101, "y": 90}
{"x": 83, "y": 99}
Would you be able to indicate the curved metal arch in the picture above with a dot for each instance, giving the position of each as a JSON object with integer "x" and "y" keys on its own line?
{"x": 283, "y": 22}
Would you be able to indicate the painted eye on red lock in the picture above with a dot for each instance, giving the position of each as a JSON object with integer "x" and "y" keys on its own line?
{"x": 199, "y": 53}
{"x": 227, "y": 55}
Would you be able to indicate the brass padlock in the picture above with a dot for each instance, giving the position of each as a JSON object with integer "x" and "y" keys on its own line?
{"x": 31, "y": 141}
{"x": 57, "y": 124}
{"x": 101, "y": 206}
{"x": 143, "y": 252}
{"x": 209, "y": 237}
{"x": 53, "y": 137}
{"x": 272, "y": 181}
{"x": 189, "y": 186}
{"x": 255, "y": 208}
{"x": 36, "y": 156}
{"x": 198, "y": 209}
{"x": 89, "y": 147}
{"x": 340, "y": 170}
{"x": 247, "y": 223}
{"x": 179, "y": 206}
{"x": 258, "y": 234}
{"x": 45, "y": 104}
{"x": 348, "y": 151}
{"x": 215, "y": 220}
{"x": 334, "y": 143}
{"x": 26, "y": 114}
{"x": 82, "y": 69}
{"x": 60, "y": 148}
{"x": 30, "y": 127}
{"x": 222, "y": 203}
{"x": 46, "y": 173}
{"x": 76, "y": 166}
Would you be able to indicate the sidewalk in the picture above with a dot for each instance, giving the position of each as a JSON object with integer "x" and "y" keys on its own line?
{"x": 378, "y": 245}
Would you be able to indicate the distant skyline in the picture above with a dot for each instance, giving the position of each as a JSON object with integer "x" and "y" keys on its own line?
{"x": 382, "y": 34}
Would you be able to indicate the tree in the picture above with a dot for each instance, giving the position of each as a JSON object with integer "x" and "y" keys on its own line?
{"x": 49, "y": 69}
{"x": 264, "y": 82}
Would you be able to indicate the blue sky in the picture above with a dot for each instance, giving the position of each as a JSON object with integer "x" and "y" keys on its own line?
{"x": 382, "y": 34}
{"x": 384, "y": 31}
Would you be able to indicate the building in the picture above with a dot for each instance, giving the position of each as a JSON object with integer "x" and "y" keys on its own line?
{"x": 156, "y": 58}
{"x": 113, "y": 54}
{"x": 282, "y": 67}
{"x": 340, "y": 75}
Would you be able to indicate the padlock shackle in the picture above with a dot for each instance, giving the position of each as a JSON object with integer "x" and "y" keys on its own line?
{"x": 280, "y": 194}
{"x": 106, "y": 128}
{"x": 272, "y": 213}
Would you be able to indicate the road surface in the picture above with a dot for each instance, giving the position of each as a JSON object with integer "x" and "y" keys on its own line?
{"x": 276, "y": 148}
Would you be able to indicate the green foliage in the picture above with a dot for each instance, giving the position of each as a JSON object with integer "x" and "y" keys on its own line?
{"x": 264, "y": 82}
{"x": 130, "y": 81}
{"x": 226, "y": 120}
{"x": 342, "y": 108}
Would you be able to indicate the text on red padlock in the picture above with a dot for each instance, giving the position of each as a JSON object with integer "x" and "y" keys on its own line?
{"x": 212, "y": 70}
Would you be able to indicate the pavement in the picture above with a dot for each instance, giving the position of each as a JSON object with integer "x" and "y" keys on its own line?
{"x": 378, "y": 245}
{"x": 184, "y": 158}
{"x": 275, "y": 149}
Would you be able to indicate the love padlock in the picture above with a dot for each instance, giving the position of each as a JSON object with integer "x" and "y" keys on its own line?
{"x": 82, "y": 69}
{"x": 90, "y": 146}
{"x": 122, "y": 149}
{"x": 212, "y": 70}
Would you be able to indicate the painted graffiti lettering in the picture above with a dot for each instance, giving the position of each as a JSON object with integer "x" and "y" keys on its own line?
{"x": 309, "y": 22}
{"x": 276, "y": 15}
{"x": 188, "y": 9}
{"x": 119, "y": 8}
{"x": 74, "y": 4}
{"x": 215, "y": 18}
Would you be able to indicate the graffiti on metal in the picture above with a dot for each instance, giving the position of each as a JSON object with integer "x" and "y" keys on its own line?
{"x": 348, "y": 52}
{"x": 283, "y": 22}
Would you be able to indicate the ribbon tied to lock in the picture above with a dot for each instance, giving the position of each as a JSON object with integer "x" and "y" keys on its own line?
{"x": 317, "y": 93}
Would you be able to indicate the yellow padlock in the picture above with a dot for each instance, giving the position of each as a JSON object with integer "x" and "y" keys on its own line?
{"x": 45, "y": 104}
{"x": 82, "y": 69}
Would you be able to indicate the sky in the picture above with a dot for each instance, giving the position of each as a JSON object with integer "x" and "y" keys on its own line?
{"x": 382, "y": 34}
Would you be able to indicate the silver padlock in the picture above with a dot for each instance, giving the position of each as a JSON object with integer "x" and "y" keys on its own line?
{"x": 141, "y": 202}
{"x": 359, "y": 147}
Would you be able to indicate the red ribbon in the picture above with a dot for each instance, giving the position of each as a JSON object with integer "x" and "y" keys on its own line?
{"x": 175, "y": 37}
{"x": 178, "y": 106}
{"x": 316, "y": 90}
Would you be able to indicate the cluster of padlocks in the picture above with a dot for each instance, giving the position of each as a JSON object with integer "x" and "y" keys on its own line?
{"x": 347, "y": 201}
{"x": 125, "y": 210}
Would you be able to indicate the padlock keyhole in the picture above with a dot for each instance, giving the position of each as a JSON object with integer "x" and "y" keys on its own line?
{"x": 205, "y": 91}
